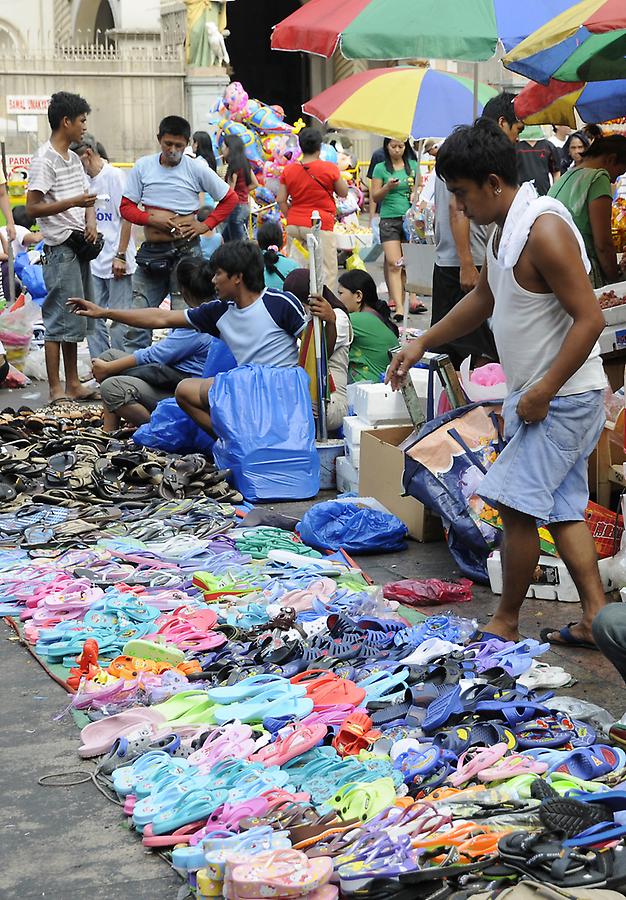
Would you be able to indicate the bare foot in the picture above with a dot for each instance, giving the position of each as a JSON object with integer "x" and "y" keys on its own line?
{"x": 58, "y": 396}
{"x": 82, "y": 393}
{"x": 502, "y": 629}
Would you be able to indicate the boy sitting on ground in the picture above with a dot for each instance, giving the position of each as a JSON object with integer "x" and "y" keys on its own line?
{"x": 546, "y": 322}
{"x": 131, "y": 384}
{"x": 259, "y": 325}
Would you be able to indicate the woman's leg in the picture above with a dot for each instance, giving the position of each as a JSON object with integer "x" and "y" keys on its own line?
{"x": 393, "y": 277}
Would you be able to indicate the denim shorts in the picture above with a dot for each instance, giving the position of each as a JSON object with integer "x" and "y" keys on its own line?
{"x": 392, "y": 229}
{"x": 542, "y": 471}
{"x": 65, "y": 276}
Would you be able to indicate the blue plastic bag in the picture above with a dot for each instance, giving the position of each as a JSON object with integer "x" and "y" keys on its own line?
{"x": 264, "y": 420}
{"x": 219, "y": 359}
{"x": 354, "y": 528}
{"x": 32, "y": 279}
{"x": 443, "y": 470}
{"x": 172, "y": 430}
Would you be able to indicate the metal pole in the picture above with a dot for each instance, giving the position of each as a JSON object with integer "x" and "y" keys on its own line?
{"x": 316, "y": 284}
{"x": 475, "y": 112}
{"x": 11, "y": 261}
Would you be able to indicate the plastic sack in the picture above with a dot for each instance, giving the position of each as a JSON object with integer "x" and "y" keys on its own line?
{"x": 443, "y": 470}
{"x": 172, "y": 430}
{"x": 429, "y": 591}
{"x": 264, "y": 420}
{"x": 356, "y": 529}
{"x": 219, "y": 359}
{"x": 354, "y": 261}
{"x": 33, "y": 282}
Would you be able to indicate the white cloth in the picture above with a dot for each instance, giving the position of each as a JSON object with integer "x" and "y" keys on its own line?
{"x": 108, "y": 184}
{"x": 58, "y": 178}
{"x": 18, "y": 244}
{"x": 529, "y": 328}
{"x": 525, "y": 209}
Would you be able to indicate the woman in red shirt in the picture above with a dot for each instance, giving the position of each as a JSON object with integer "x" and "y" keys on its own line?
{"x": 307, "y": 185}
{"x": 240, "y": 177}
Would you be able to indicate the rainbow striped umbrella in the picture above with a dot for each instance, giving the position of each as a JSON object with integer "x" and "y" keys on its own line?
{"x": 558, "y": 102}
{"x": 401, "y": 102}
{"x": 587, "y": 42}
{"x": 412, "y": 29}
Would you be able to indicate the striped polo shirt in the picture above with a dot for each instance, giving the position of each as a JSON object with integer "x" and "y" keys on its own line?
{"x": 58, "y": 178}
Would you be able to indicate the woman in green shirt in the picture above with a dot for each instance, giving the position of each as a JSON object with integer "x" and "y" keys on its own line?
{"x": 374, "y": 332}
{"x": 586, "y": 192}
{"x": 393, "y": 187}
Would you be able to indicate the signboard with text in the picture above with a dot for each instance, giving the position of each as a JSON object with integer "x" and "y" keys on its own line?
{"x": 32, "y": 104}
{"x": 18, "y": 165}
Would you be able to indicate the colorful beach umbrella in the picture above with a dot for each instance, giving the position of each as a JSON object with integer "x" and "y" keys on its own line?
{"x": 412, "y": 29}
{"x": 558, "y": 102}
{"x": 402, "y": 102}
{"x": 586, "y": 42}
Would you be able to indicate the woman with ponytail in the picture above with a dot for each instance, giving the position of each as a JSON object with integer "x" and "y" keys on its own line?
{"x": 374, "y": 331}
{"x": 270, "y": 239}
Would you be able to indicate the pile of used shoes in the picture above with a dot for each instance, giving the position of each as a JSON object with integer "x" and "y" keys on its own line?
{"x": 69, "y": 461}
{"x": 268, "y": 720}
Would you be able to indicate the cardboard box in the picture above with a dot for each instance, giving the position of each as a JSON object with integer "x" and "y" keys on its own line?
{"x": 380, "y": 476}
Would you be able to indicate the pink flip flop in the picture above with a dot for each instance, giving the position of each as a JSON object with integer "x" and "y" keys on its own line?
{"x": 281, "y": 873}
{"x": 510, "y": 766}
{"x": 300, "y": 740}
{"x": 182, "y": 835}
{"x": 474, "y": 760}
{"x": 99, "y": 737}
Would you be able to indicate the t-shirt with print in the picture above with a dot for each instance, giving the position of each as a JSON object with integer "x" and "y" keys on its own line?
{"x": 109, "y": 184}
{"x": 398, "y": 200}
{"x": 537, "y": 162}
{"x": 263, "y": 334}
{"x": 173, "y": 187}
{"x": 58, "y": 178}
{"x": 311, "y": 186}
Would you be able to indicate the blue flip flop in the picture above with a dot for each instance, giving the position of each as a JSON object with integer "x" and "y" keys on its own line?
{"x": 567, "y": 638}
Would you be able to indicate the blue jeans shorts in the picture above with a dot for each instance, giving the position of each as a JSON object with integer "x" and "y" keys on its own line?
{"x": 65, "y": 276}
{"x": 542, "y": 471}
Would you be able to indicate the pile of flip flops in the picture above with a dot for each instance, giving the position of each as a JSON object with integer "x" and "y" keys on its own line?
{"x": 278, "y": 729}
{"x": 71, "y": 461}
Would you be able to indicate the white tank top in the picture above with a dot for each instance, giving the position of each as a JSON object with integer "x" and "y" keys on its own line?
{"x": 529, "y": 330}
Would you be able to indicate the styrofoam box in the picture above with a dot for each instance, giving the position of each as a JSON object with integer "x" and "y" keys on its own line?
{"x": 616, "y": 315}
{"x": 347, "y": 476}
{"x": 353, "y": 427}
{"x": 553, "y": 581}
{"x": 352, "y": 453}
{"x": 379, "y": 405}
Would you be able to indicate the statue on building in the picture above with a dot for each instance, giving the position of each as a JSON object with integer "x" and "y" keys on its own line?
{"x": 205, "y": 33}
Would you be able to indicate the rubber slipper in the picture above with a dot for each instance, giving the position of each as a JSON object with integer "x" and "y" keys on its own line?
{"x": 301, "y": 740}
{"x": 567, "y": 639}
{"x": 99, "y": 737}
{"x": 511, "y": 766}
{"x": 591, "y": 762}
{"x": 568, "y": 817}
{"x": 474, "y": 760}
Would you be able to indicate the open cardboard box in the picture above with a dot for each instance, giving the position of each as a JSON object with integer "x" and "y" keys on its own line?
{"x": 380, "y": 476}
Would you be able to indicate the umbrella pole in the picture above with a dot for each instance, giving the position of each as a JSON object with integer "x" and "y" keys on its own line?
{"x": 11, "y": 261}
{"x": 316, "y": 282}
{"x": 475, "y": 112}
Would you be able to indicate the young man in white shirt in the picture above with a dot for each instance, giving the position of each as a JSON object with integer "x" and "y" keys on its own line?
{"x": 546, "y": 322}
{"x": 113, "y": 268}
{"x": 58, "y": 197}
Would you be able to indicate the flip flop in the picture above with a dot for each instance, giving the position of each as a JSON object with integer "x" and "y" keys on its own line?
{"x": 301, "y": 740}
{"x": 567, "y": 639}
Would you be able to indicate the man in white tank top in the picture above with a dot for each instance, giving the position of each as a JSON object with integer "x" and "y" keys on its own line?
{"x": 546, "y": 321}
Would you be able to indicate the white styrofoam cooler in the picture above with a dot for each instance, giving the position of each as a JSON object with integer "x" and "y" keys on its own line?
{"x": 353, "y": 427}
{"x": 377, "y": 404}
{"x": 616, "y": 315}
{"x": 347, "y": 476}
{"x": 552, "y": 582}
{"x": 353, "y": 453}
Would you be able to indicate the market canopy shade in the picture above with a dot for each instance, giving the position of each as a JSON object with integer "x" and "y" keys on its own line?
{"x": 402, "y": 102}
{"x": 412, "y": 29}
{"x": 558, "y": 102}
{"x": 585, "y": 43}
